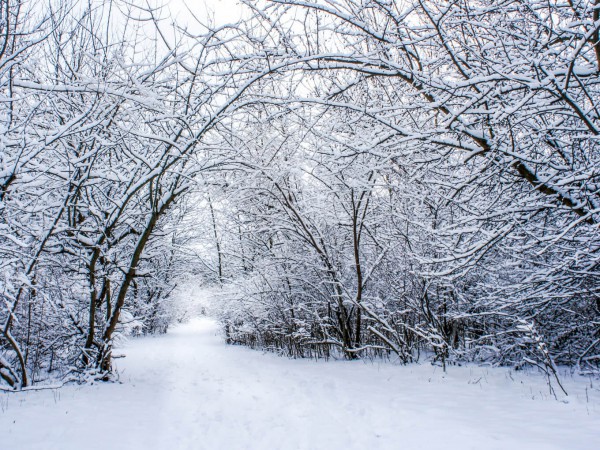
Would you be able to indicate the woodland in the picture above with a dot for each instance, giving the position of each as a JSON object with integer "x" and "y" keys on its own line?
{"x": 416, "y": 180}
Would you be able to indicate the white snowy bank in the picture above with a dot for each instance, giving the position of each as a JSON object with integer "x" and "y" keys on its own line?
{"x": 188, "y": 390}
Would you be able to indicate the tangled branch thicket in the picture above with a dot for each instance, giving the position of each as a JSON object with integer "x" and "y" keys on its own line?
{"x": 362, "y": 178}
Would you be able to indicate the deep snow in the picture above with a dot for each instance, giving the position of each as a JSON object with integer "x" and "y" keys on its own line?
{"x": 188, "y": 390}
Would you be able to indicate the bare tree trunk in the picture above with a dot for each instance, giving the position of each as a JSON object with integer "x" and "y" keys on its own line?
{"x": 217, "y": 242}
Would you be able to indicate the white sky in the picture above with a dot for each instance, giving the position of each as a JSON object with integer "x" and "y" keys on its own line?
{"x": 223, "y": 11}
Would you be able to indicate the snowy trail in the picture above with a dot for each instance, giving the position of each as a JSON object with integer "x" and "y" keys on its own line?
{"x": 188, "y": 390}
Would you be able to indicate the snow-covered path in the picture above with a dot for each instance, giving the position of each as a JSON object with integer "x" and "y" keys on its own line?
{"x": 188, "y": 390}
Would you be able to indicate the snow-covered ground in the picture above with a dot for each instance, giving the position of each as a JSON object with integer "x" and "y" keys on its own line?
{"x": 188, "y": 390}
